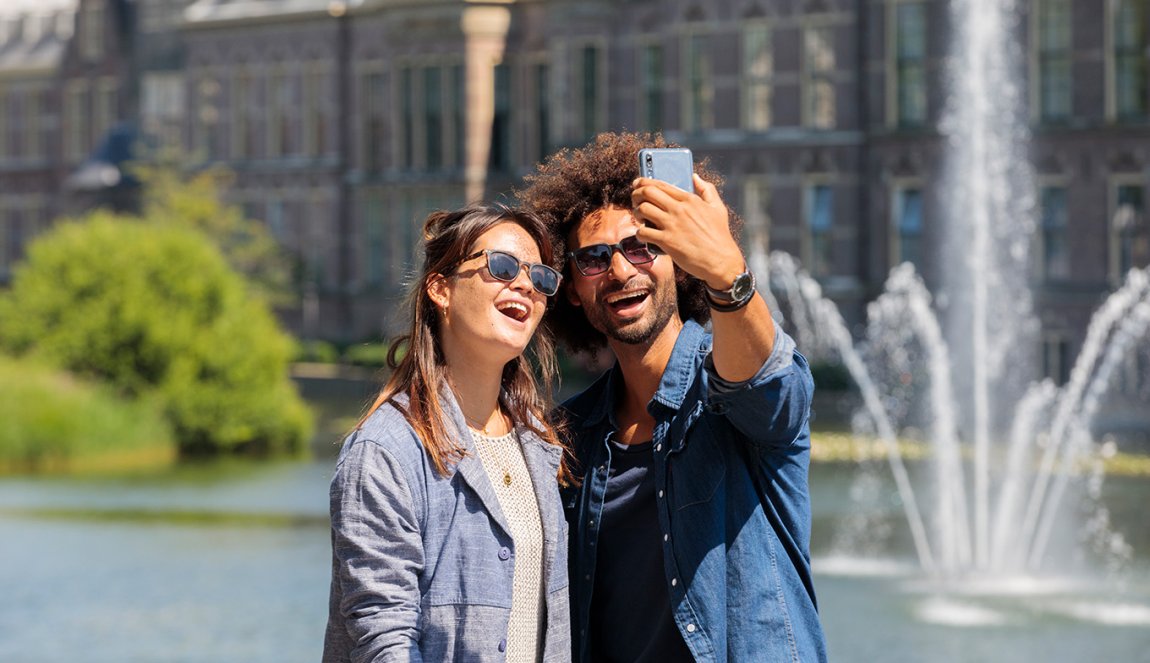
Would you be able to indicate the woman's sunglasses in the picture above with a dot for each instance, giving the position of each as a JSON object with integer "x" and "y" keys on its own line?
{"x": 596, "y": 258}
{"x": 506, "y": 267}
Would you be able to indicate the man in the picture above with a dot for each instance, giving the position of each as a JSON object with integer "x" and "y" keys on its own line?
{"x": 690, "y": 532}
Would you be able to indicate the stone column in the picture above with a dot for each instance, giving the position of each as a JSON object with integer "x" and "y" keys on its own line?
{"x": 485, "y": 26}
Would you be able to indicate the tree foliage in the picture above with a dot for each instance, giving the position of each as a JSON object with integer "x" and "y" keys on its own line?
{"x": 155, "y": 310}
{"x": 174, "y": 197}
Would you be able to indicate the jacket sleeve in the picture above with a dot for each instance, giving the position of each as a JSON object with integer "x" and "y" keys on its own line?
{"x": 773, "y": 407}
{"x": 378, "y": 546}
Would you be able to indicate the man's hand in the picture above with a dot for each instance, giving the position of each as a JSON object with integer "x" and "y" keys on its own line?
{"x": 692, "y": 229}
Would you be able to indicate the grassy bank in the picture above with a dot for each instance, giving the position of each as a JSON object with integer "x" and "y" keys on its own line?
{"x": 839, "y": 447}
{"x": 53, "y": 422}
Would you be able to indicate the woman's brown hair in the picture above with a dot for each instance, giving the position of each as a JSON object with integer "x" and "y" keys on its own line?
{"x": 416, "y": 358}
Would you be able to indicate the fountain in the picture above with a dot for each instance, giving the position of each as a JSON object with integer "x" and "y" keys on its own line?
{"x": 1004, "y": 448}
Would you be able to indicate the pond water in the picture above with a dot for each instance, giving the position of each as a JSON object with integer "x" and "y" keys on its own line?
{"x": 229, "y": 562}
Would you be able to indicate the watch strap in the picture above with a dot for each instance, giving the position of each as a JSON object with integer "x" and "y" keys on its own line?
{"x": 727, "y": 307}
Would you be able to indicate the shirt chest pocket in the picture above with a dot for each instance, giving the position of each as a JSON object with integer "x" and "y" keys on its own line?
{"x": 696, "y": 473}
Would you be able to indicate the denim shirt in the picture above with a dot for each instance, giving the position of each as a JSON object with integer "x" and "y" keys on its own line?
{"x": 737, "y": 566}
{"x": 422, "y": 563}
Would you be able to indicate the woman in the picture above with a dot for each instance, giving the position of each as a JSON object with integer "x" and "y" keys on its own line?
{"x": 448, "y": 536}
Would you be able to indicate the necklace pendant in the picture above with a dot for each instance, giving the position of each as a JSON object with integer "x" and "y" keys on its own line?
{"x": 506, "y": 478}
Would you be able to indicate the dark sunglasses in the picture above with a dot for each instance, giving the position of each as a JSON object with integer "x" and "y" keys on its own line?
{"x": 506, "y": 267}
{"x": 596, "y": 258}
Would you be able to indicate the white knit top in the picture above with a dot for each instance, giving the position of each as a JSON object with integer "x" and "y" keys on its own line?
{"x": 502, "y": 458}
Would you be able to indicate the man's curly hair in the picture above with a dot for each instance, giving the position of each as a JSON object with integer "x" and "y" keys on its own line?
{"x": 571, "y": 185}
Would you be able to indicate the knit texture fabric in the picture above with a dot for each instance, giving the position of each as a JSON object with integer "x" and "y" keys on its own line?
{"x": 502, "y": 458}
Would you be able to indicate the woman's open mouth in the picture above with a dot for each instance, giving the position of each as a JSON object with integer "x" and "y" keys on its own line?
{"x": 514, "y": 310}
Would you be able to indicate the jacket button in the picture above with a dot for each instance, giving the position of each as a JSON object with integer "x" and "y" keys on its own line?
{"x": 503, "y": 644}
{"x": 690, "y": 628}
{"x": 505, "y": 553}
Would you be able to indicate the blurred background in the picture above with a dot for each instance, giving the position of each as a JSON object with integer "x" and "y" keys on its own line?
{"x": 209, "y": 210}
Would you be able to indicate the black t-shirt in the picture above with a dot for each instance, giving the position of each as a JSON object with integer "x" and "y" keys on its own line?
{"x": 630, "y": 609}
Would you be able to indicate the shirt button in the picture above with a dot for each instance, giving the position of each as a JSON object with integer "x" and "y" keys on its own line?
{"x": 665, "y": 537}
{"x": 503, "y": 644}
{"x": 660, "y": 493}
{"x": 590, "y": 523}
{"x": 659, "y": 447}
{"x": 690, "y": 628}
{"x": 505, "y": 553}
{"x": 674, "y": 581}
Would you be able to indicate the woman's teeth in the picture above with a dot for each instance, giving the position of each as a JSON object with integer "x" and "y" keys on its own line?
{"x": 513, "y": 310}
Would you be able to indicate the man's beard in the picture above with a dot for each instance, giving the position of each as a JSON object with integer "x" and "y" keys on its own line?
{"x": 662, "y": 306}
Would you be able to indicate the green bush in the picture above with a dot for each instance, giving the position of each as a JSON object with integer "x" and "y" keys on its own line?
{"x": 54, "y": 421}
{"x": 317, "y": 351}
{"x": 156, "y": 312}
{"x": 371, "y": 355}
{"x": 831, "y": 377}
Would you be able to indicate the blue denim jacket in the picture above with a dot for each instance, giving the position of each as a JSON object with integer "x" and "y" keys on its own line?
{"x": 737, "y": 566}
{"x": 422, "y": 563}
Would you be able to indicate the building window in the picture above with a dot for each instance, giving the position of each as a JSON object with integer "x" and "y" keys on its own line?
{"x": 243, "y": 140}
{"x": 908, "y": 224}
{"x": 700, "y": 88}
{"x": 1056, "y": 358}
{"x": 756, "y": 206}
{"x": 910, "y": 63}
{"x": 1054, "y": 54}
{"x": 92, "y": 30}
{"x": 501, "y": 125}
{"x": 407, "y": 118}
{"x": 1128, "y": 233}
{"x": 1053, "y": 250}
{"x": 758, "y": 67}
{"x": 1129, "y": 29}
{"x": 76, "y": 114}
{"x": 11, "y": 123}
{"x": 458, "y": 120}
{"x": 6, "y": 121}
{"x": 207, "y": 114}
{"x": 106, "y": 107}
{"x": 374, "y": 115}
{"x": 433, "y": 117}
{"x": 315, "y": 110}
{"x": 819, "y": 225}
{"x": 542, "y": 84}
{"x": 591, "y": 88}
{"x": 376, "y": 254}
{"x": 163, "y": 107}
{"x": 818, "y": 77}
{"x": 279, "y": 126}
{"x": 44, "y": 122}
{"x": 651, "y": 73}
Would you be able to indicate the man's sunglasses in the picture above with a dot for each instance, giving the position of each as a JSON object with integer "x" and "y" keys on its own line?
{"x": 506, "y": 267}
{"x": 596, "y": 258}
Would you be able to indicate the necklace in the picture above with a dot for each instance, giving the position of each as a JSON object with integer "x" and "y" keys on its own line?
{"x": 476, "y": 426}
{"x": 491, "y": 453}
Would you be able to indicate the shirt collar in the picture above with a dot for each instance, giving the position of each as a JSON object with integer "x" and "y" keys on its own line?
{"x": 691, "y": 347}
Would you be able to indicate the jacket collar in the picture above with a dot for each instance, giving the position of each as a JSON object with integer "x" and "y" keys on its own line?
{"x": 691, "y": 348}
{"x": 542, "y": 459}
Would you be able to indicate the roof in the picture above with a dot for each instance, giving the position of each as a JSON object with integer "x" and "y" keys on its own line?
{"x": 212, "y": 11}
{"x": 34, "y": 34}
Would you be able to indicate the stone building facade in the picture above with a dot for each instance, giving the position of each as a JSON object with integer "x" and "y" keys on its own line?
{"x": 346, "y": 121}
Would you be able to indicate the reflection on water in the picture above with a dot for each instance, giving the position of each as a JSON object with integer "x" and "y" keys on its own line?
{"x": 94, "y": 570}
{"x": 230, "y": 562}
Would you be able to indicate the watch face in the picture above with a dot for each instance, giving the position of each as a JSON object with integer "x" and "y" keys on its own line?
{"x": 743, "y": 287}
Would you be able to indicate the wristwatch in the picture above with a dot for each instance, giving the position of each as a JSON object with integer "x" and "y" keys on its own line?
{"x": 735, "y": 297}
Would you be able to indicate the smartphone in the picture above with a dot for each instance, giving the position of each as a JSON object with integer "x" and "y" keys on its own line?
{"x": 673, "y": 165}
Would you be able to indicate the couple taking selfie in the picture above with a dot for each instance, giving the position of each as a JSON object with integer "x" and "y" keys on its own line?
{"x": 662, "y": 515}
